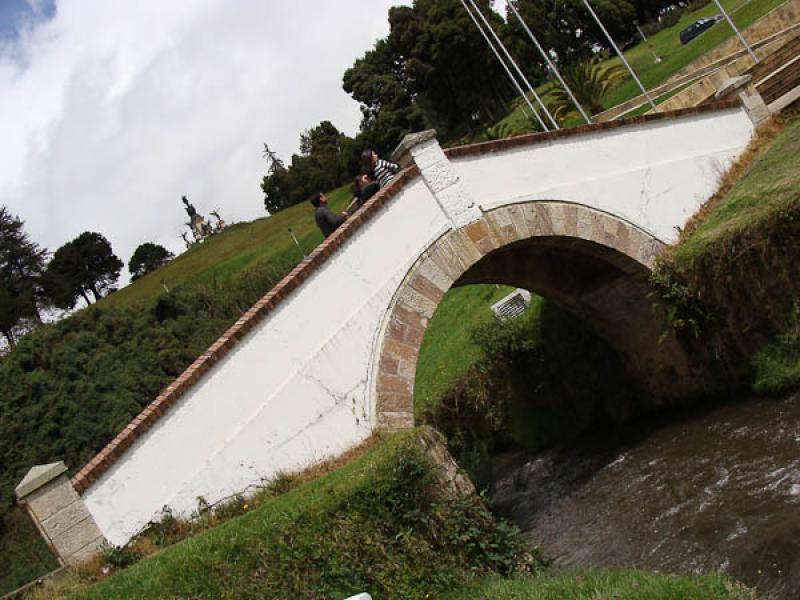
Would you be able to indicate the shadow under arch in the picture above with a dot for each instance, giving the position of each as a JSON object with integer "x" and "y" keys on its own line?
{"x": 590, "y": 263}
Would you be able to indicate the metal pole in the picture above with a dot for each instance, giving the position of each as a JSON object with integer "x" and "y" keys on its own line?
{"x": 514, "y": 64}
{"x": 296, "y": 243}
{"x": 736, "y": 29}
{"x": 502, "y": 62}
{"x": 549, "y": 63}
{"x": 619, "y": 53}
{"x": 656, "y": 57}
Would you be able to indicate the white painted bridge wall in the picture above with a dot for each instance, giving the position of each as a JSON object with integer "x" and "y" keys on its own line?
{"x": 299, "y": 387}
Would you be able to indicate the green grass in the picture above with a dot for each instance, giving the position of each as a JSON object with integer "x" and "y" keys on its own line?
{"x": 732, "y": 279}
{"x": 621, "y": 584}
{"x": 769, "y": 185}
{"x": 448, "y": 350}
{"x": 241, "y": 246}
{"x": 370, "y": 525}
{"x": 675, "y": 56}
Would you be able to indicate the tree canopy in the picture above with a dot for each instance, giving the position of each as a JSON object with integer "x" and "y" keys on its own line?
{"x": 86, "y": 264}
{"x": 21, "y": 267}
{"x": 328, "y": 158}
{"x": 147, "y": 258}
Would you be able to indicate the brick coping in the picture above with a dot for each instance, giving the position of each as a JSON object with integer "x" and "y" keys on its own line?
{"x": 117, "y": 447}
{"x": 540, "y": 138}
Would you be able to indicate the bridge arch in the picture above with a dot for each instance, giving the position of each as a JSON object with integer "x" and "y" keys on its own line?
{"x": 591, "y": 263}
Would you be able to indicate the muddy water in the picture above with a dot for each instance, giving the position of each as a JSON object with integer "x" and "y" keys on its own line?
{"x": 716, "y": 489}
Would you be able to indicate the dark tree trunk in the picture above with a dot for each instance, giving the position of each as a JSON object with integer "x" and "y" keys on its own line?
{"x": 85, "y": 297}
{"x": 95, "y": 293}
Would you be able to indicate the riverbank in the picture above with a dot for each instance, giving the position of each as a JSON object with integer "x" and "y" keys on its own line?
{"x": 732, "y": 283}
{"x": 385, "y": 522}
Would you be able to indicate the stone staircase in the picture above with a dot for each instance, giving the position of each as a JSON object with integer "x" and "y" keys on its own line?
{"x": 778, "y": 74}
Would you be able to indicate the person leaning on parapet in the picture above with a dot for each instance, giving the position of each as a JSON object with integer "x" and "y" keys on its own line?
{"x": 326, "y": 219}
{"x": 378, "y": 169}
{"x": 363, "y": 189}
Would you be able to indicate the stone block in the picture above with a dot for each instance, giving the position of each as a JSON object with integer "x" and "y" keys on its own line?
{"x": 433, "y": 273}
{"x": 586, "y": 222}
{"x": 427, "y": 288}
{"x": 519, "y": 222}
{"x": 464, "y": 247}
{"x": 58, "y": 523}
{"x": 39, "y": 476}
{"x": 411, "y": 299}
{"x": 459, "y": 207}
{"x": 52, "y": 498}
{"x": 439, "y": 176}
{"x": 76, "y": 538}
{"x": 395, "y": 421}
{"x": 86, "y": 553}
{"x": 444, "y": 257}
{"x": 427, "y": 154}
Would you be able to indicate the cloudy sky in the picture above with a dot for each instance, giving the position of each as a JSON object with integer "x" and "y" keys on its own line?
{"x": 111, "y": 110}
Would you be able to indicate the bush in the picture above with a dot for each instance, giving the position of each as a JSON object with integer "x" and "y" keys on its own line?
{"x": 543, "y": 379}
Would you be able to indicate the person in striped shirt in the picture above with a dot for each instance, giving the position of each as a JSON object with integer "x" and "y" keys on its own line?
{"x": 378, "y": 169}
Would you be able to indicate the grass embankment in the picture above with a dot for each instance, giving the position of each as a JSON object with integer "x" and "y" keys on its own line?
{"x": 733, "y": 281}
{"x": 666, "y": 44}
{"x": 622, "y": 584}
{"x": 377, "y": 524}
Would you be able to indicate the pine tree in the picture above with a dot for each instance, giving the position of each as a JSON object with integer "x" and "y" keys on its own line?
{"x": 21, "y": 267}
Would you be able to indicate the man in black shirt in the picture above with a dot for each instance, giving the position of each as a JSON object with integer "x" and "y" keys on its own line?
{"x": 326, "y": 220}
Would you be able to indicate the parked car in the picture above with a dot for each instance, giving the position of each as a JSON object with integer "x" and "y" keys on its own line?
{"x": 698, "y": 27}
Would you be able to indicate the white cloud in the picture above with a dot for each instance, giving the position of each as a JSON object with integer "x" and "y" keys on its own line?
{"x": 111, "y": 111}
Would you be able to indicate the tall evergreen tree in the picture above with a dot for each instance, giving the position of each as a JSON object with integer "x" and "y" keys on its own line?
{"x": 21, "y": 267}
{"x": 86, "y": 264}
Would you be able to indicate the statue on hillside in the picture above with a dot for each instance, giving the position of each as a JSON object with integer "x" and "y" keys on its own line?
{"x": 220, "y": 224}
{"x": 200, "y": 228}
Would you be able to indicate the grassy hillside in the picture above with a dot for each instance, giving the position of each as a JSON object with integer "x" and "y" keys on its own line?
{"x": 241, "y": 246}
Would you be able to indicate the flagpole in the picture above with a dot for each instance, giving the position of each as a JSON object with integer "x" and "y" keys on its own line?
{"x": 507, "y": 70}
{"x": 514, "y": 64}
{"x": 549, "y": 62}
{"x": 736, "y": 30}
{"x": 619, "y": 53}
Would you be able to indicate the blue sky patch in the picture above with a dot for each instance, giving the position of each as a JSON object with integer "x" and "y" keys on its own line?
{"x": 16, "y": 15}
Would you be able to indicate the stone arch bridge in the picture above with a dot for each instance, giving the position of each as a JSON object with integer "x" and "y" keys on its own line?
{"x": 329, "y": 354}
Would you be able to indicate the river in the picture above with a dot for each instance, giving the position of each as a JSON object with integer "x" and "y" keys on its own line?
{"x": 715, "y": 488}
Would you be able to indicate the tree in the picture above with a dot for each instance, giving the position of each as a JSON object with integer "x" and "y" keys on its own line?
{"x": 567, "y": 29}
{"x": 328, "y": 158}
{"x": 21, "y": 267}
{"x": 86, "y": 264}
{"x": 147, "y": 258}
{"x": 589, "y": 81}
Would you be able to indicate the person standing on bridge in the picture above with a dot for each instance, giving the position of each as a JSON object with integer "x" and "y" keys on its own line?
{"x": 378, "y": 169}
{"x": 326, "y": 219}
